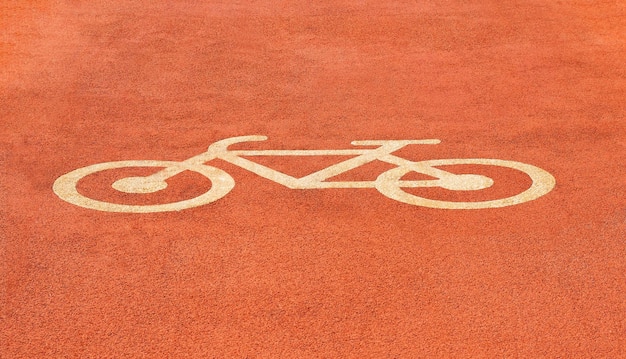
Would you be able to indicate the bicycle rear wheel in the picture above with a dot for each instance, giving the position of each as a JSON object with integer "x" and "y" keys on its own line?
{"x": 65, "y": 187}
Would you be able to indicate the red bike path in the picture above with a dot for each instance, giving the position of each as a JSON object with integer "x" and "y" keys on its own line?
{"x": 273, "y": 272}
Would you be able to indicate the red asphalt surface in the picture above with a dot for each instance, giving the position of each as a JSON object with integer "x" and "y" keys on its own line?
{"x": 272, "y": 272}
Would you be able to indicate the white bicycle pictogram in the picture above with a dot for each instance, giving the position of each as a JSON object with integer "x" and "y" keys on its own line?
{"x": 389, "y": 183}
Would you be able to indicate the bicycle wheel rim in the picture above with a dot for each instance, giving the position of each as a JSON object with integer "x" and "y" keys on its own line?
{"x": 65, "y": 187}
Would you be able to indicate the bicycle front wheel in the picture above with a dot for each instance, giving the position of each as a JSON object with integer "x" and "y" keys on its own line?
{"x": 389, "y": 184}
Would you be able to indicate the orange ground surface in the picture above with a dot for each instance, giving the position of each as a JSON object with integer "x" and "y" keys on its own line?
{"x": 271, "y": 272}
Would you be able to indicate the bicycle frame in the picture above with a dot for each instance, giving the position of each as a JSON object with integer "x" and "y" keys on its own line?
{"x": 219, "y": 150}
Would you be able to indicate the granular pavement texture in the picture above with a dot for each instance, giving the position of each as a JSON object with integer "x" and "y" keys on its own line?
{"x": 269, "y": 271}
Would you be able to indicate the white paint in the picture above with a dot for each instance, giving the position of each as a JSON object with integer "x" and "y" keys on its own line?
{"x": 388, "y": 183}
{"x": 65, "y": 187}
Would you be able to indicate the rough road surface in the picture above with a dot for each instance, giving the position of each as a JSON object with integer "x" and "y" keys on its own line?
{"x": 269, "y": 271}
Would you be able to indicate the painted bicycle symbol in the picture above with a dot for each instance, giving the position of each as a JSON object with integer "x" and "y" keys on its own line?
{"x": 389, "y": 183}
